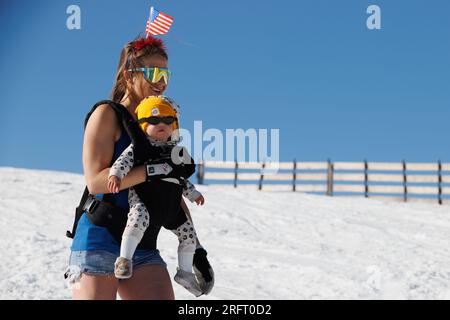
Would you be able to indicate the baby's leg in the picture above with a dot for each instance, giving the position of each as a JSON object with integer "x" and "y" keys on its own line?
{"x": 137, "y": 223}
{"x": 187, "y": 238}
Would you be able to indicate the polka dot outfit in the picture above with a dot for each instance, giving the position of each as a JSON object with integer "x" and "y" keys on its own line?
{"x": 138, "y": 217}
{"x": 186, "y": 234}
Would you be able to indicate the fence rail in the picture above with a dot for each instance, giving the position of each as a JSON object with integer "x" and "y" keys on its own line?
{"x": 404, "y": 181}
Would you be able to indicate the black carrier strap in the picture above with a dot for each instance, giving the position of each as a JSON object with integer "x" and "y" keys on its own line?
{"x": 78, "y": 213}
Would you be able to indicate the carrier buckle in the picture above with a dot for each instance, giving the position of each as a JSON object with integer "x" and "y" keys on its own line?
{"x": 90, "y": 204}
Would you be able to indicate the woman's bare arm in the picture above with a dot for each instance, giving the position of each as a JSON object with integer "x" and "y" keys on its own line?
{"x": 98, "y": 149}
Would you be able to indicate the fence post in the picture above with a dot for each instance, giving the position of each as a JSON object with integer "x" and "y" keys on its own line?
{"x": 201, "y": 172}
{"x": 439, "y": 182}
{"x": 405, "y": 187}
{"x": 294, "y": 175}
{"x": 262, "y": 176}
{"x": 235, "y": 173}
{"x": 366, "y": 179}
{"x": 330, "y": 178}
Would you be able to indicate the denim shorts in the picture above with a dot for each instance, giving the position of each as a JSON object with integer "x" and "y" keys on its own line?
{"x": 101, "y": 262}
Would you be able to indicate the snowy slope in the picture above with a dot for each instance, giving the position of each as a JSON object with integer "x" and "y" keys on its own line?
{"x": 262, "y": 245}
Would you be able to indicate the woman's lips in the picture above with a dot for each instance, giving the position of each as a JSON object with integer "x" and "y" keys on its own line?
{"x": 156, "y": 90}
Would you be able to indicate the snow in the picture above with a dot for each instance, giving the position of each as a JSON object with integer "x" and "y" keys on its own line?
{"x": 261, "y": 244}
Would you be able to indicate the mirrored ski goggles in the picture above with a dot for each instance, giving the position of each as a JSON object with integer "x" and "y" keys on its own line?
{"x": 154, "y": 74}
{"x": 156, "y": 120}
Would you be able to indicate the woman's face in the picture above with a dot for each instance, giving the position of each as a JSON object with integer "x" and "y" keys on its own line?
{"x": 142, "y": 88}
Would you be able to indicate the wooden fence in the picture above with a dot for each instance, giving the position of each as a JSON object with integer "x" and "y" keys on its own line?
{"x": 402, "y": 181}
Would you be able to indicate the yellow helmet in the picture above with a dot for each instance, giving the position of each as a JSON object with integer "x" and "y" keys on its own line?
{"x": 157, "y": 106}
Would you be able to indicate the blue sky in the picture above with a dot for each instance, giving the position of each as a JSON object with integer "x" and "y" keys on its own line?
{"x": 310, "y": 68}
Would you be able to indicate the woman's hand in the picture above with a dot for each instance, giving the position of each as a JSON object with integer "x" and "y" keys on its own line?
{"x": 114, "y": 184}
{"x": 200, "y": 200}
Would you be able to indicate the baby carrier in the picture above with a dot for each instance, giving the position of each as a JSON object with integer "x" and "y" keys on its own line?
{"x": 161, "y": 198}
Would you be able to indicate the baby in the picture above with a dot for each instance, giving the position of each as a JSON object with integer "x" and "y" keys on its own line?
{"x": 159, "y": 118}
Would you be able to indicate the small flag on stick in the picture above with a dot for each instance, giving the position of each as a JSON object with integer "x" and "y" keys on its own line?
{"x": 158, "y": 23}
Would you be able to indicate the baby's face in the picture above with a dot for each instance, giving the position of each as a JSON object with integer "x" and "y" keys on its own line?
{"x": 160, "y": 131}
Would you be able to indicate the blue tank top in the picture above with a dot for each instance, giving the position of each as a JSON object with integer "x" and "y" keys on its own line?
{"x": 91, "y": 237}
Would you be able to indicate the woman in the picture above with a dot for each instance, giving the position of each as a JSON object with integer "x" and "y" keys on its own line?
{"x": 94, "y": 249}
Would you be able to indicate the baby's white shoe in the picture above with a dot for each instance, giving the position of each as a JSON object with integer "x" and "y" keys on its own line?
{"x": 123, "y": 268}
{"x": 188, "y": 281}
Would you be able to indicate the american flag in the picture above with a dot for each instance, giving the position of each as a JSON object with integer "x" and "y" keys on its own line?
{"x": 158, "y": 23}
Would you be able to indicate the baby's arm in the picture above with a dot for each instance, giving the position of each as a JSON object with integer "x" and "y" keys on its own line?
{"x": 121, "y": 167}
{"x": 192, "y": 194}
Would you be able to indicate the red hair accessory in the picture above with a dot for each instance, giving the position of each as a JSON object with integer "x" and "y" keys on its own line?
{"x": 143, "y": 42}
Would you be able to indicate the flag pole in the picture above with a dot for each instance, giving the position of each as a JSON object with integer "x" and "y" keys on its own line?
{"x": 149, "y": 20}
